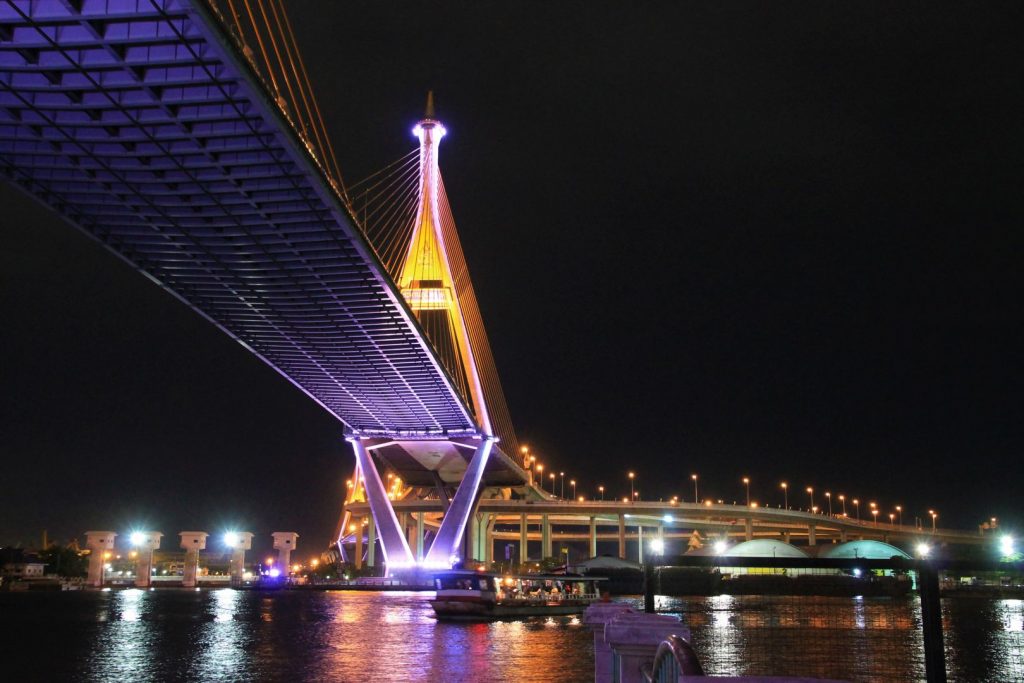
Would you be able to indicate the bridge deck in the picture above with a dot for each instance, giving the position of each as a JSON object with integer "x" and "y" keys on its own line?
{"x": 142, "y": 123}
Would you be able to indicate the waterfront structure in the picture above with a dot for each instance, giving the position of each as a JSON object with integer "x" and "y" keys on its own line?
{"x": 284, "y": 543}
{"x": 192, "y": 542}
{"x": 144, "y": 542}
{"x": 101, "y": 546}
{"x": 238, "y": 542}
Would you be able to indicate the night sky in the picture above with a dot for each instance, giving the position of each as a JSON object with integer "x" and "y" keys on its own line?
{"x": 775, "y": 240}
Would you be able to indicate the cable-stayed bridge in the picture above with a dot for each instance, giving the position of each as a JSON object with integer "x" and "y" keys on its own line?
{"x": 185, "y": 137}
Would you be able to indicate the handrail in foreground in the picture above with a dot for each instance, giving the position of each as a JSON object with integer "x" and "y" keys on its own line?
{"x": 673, "y": 659}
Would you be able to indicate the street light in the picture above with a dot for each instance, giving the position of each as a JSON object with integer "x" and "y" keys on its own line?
{"x": 892, "y": 518}
{"x": 829, "y": 496}
{"x": 899, "y": 513}
{"x": 842, "y": 499}
{"x": 785, "y": 494}
{"x": 934, "y": 515}
{"x": 874, "y": 513}
{"x": 856, "y": 504}
{"x": 696, "y": 499}
{"x": 562, "y": 487}
{"x": 572, "y": 483}
{"x": 632, "y": 476}
{"x": 810, "y": 492}
{"x": 746, "y": 483}
{"x": 600, "y": 489}
{"x": 552, "y": 475}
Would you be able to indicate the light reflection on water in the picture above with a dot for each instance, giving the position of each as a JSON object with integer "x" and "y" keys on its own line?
{"x": 229, "y": 635}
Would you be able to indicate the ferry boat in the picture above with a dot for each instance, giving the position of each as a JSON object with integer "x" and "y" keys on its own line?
{"x": 480, "y": 595}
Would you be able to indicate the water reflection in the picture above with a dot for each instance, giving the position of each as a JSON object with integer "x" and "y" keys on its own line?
{"x": 229, "y": 635}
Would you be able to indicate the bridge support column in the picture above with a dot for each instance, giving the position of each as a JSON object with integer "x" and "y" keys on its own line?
{"x": 640, "y": 543}
{"x": 488, "y": 539}
{"x": 453, "y": 526}
{"x": 392, "y": 541}
{"x": 593, "y": 536}
{"x": 786, "y": 537}
{"x": 622, "y": 536}
{"x": 358, "y": 551}
{"x": 419, "y": 536}
{"x": 100, "y": 543}
{"x": 842, "y": 535}
{"x": 748, "y": 529}
{"x": 545, "y": 537}
{"x": 192, "y": 542}
{"x": 371, "y": 543}
{"x": 524, "y": 538}
{"x": 812, "y": 534}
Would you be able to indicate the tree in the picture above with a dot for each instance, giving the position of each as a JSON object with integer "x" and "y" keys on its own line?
{"x": 64, "y": 561}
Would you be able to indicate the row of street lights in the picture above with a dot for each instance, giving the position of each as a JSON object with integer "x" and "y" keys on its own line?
{"x": 895, "y": 517}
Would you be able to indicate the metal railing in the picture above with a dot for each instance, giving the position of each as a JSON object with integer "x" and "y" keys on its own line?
{"x": 673, "y": 659}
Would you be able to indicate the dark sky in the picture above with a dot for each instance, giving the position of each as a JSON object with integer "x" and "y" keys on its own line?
{"x": 777, "y": 240}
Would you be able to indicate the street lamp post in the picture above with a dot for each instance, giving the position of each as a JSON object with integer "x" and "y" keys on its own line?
{"x": 842, "y": 499}
{"x": 934, "y": 515}
{"x": 874, "y": 513}
{"x": 600, "y": 489}
{"x": 572, "y": 483}
{"x": 785, "y": 494}
{"x": 696, "y": 498}
{"x": 856, "y": 504}
{"x": 746, "y": 483}
{"x": 561, "y": 490}
{"x": 892, "y": 518}
{"x": 632, "y": 493}
{"x": 540, "y": 475}
{"x": 810, "y": 492}
{"x": 552, "y": 476}
{"x": 899, "y": 513}
{"x": 828, "y": 495}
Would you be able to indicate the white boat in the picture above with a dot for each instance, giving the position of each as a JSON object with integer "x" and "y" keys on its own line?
{"x": 482, "y": 595}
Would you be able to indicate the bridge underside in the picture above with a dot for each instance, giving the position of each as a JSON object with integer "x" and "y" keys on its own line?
{"x": 428, "y": 462}
{"x": 141, "y": 122}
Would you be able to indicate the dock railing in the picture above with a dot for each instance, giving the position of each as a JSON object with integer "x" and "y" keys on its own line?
{"x": 889, "y": 629}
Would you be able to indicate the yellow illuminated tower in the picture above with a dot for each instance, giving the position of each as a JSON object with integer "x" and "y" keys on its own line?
{"x": 426, "y": 280}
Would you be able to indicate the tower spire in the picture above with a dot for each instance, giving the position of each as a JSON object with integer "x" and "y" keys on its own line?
{"x": 429, "y": 114}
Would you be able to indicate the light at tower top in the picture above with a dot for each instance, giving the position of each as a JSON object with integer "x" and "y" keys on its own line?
{"x": 429, "y": 123}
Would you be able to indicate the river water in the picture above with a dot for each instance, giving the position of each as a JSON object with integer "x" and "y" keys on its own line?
{"x": 229, "y": 635}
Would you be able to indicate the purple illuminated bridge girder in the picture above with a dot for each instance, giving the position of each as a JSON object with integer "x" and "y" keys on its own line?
{"x": 142, "y": 124}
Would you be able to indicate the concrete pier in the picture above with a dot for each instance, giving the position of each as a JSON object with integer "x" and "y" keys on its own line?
{"x": 238, "y": 542}
{"x": 145, "y": 542}
{"x": 284, "y": 544}
{"x": 101, "y": 545}
{"x": 192, "y": 542}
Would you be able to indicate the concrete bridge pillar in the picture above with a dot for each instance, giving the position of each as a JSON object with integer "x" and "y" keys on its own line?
{"x": 489, "y": 539}
{"x": 842, "y": 535}
{"x": 419, "y": 536}
{"x": 545, "y": 534}
{"x": 101, "y": 545}
{"x": 524, "y": 538}
{"x": 787, "y": 537}
{"x": 812, "y": 534}
{"x": 371, "y": 542}
{"x": 358, "y": 550}
{"x": 192, "y": 542}
{"x": 748, "y": 529}
{"x": 622, "y": 536}
{"x": 284, "y": 544}
{"x": 145, "y": 542}
{"x": 593, "y": 536}
{"x": 238, "y": 542}
{"x": 639, "y": 543}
